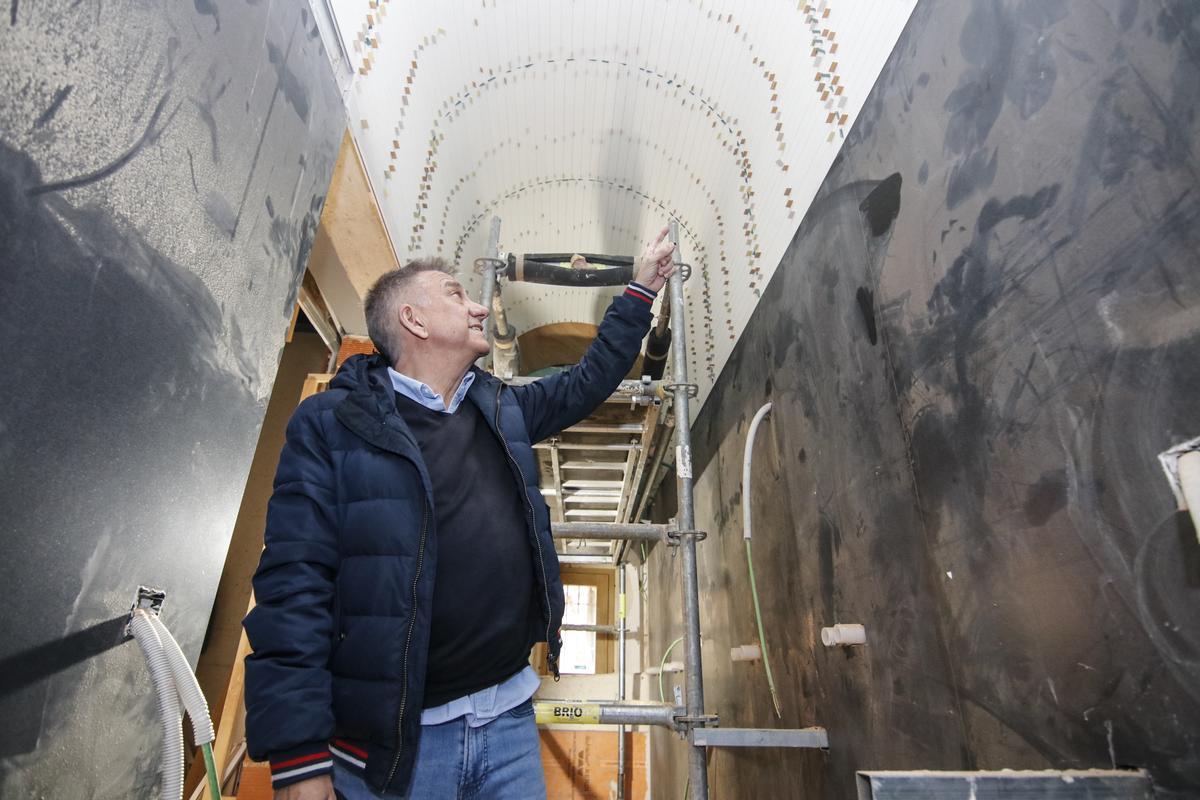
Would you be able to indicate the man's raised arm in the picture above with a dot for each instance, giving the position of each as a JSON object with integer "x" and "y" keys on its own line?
{"x": 561, "y": 400}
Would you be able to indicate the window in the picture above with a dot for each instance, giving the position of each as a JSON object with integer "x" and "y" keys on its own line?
{"x": 590, "y": 600}
{"x": 579, "y": 647}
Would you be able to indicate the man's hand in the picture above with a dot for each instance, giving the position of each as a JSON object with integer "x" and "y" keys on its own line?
{"x": 318, "y": 788}
{"x": 655, "y": 265}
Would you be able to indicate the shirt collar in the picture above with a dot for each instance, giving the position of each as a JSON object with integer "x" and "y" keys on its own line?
{"x": 424, "y": 394}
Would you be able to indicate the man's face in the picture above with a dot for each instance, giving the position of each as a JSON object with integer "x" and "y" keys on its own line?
{"x": 453, "y": 320}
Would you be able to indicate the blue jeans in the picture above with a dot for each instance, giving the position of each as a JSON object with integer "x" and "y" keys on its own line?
{"x": 501, "y": 760}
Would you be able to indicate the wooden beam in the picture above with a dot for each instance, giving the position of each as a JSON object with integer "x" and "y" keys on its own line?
{"x": 312, "y": 303}
{"x": 231, "y": 731}
{"x": 649, "y": 429}
{"x": 316, "y": 382}
{"x": 291, "y": 331}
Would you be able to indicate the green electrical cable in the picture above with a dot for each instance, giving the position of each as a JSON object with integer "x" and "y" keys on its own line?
{"x": 762, "y": 637}
{"x": 662, "y": 694}
{"x": 210, "y": 767}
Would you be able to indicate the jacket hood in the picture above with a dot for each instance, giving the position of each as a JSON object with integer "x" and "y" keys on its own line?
{"x": 370, "y": 389}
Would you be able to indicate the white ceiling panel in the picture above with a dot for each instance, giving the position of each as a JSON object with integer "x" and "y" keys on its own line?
{"x": 585, "y": 125}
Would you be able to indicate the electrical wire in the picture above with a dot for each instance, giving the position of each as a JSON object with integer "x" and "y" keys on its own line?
{"x": 210, "y": 768}
{"x": 762, "y": 637}
{"x": 747, "y": 520}
{"x": 662, "y": 693}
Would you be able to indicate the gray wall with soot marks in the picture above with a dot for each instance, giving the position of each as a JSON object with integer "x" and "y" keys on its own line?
{"x": 986, "y": 328}
{"x": 162, "y": 170}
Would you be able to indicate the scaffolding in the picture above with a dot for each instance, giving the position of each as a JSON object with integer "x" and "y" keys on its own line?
{"x": 700, "y": 730}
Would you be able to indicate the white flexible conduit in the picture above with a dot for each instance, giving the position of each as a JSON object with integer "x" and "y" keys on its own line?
{"x": 187, "y": 686}
{"x": 747, "y": 461}
{"x": 747, "y": 514}
{"x": 146, "y": 634}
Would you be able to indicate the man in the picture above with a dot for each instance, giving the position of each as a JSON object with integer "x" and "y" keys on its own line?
{"x": 409, "y": 566}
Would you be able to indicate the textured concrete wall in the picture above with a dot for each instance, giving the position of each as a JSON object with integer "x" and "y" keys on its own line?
{"x": 982, "y": 334}
{"x": 162, "y": 170}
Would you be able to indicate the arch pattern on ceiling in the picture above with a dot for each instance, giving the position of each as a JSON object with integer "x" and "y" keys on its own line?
{"x": 453, "y": 106}
{"x": 494, "y": 205}
{"x": 635, "y": 192}
{"x": 710, "y": 199}
{"x": 829, "y": 86}
{"x": 759, "y": 95}
{"x": 823, "y": 45}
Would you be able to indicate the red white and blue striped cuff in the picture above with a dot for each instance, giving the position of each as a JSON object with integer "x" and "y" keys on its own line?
{"x": 349, "y": 753}
{"x": 300, "y": 764}
{"x": 635, "y": 289}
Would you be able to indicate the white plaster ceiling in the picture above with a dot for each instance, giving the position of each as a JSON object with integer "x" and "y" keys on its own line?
{"x": 585, "y": 125}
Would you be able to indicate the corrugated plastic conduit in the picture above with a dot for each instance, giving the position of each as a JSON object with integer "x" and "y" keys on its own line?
{"x": 174, "y": 682}
{"x": 747, "y": 513}
{"x": 193, "y": 700}
{"x": 168, "y": 703}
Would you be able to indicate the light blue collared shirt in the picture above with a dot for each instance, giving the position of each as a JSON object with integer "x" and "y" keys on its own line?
{"x": 424, "y": 394}
{"x": 485, "y": 705}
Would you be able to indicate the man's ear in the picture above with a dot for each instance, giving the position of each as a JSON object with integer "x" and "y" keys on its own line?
{"x": 412, "y": 321}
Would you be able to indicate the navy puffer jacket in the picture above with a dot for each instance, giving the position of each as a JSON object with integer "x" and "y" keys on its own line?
{"x": 344, "y": 589}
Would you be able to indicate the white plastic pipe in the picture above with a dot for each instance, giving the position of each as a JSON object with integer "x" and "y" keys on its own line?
{"x": 1189, "y": 485}
{"x": 843, "y": 635}
{"x": 187, "y": 685}
{"x": 148, "y": 640}
{"x": 667, "y": 668}
{"x": 745, "y": 652}
{"x": 747, "y": 461}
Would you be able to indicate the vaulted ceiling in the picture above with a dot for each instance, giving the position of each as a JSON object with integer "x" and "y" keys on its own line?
{"x": 584, "y": 126}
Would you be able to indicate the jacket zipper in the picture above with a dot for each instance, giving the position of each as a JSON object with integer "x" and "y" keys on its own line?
{"x": 407, "y": 646}
{"x": 552, "y": 662}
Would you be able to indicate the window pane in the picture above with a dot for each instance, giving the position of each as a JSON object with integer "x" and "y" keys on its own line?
{"x": 579, "y": 647}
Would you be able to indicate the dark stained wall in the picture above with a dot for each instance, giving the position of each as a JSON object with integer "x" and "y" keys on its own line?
{"x": 984, "y": 331}
{"x": 162, "y": 170}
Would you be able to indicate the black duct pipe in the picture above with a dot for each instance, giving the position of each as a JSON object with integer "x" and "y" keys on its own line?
{"x": 658, "y": 346}
{"x": 592, "y": 258}
{"x": 524, "y": 268}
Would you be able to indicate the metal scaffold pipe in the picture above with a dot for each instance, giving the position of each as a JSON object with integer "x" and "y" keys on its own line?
{"x": 620, "y": 678}
{"x": 575, "y": 712}
{"x": 610, "y": 531}
{"x": 638, "y": 392}
{"x": 693, "y": 670}
{"x": 580, "y": 626}
{"x": 489, "y": 275}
